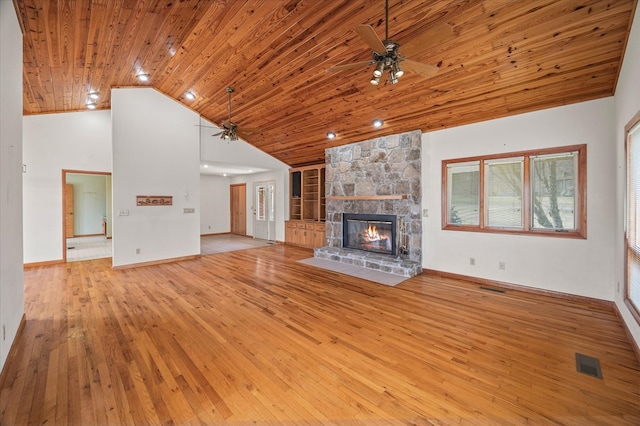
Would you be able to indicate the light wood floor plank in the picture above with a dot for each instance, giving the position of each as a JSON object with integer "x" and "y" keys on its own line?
{"x": 254, "y": 337}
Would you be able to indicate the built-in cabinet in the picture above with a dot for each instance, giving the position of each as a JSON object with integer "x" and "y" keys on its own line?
{"x": 306, "y": 234}
{"x": 307, "y": 207}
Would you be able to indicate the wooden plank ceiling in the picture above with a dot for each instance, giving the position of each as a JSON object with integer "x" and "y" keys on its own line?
{"x": 502, "y": 57}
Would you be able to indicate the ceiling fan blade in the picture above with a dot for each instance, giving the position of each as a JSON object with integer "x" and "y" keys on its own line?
{"x": 371, "y": 38}
{"x": 429, "y": 38}
{"x": 217, "y": 134}
{"x": 349, "y": 66}
{"x": 424, "y": 70}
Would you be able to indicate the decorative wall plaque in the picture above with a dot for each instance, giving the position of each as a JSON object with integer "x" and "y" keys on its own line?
{"x": 154, "y": 200}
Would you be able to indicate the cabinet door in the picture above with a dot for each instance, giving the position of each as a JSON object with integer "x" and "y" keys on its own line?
{"x": 319, "y": 236}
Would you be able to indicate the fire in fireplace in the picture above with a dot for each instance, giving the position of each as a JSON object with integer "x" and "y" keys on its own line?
{"x": 369, "y": 232}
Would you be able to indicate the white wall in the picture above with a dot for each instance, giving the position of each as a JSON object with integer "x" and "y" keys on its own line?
{"x": 575, "y": 266}
{"x": 215, "y": 205}
{"x": 89, "y": 203}
{"x": 53, "y": 142}
{"x": 155, "y": 152}
{"x": 11, "y": 272}
{"x": 627, "y": 104}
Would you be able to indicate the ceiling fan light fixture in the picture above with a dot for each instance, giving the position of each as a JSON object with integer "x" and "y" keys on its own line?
{"x": 379, "y": 69}
{"x": 92, "y": 105}
{"x": 189, "y": 95}
{"x": 397, "y": 69}
{"x": 143, "y": 77}
{"x": 375, "y": 80}
{"x": 331, "y": 135}
{"x": 393, "y": 78}
{"x": 377, "y": 123}
{"x": 93, "y": 95}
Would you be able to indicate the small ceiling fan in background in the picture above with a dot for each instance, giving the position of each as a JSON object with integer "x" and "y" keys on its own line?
{"x": 386, "y": 56}
{"x": 230, "y": 130}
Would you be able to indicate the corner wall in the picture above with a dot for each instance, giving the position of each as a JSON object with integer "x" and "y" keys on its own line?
{"x": 11, "y": 272}
{"x": 627, "y": 104}
{"x": 582, "y": 267}
{"x": 51, "y": 143}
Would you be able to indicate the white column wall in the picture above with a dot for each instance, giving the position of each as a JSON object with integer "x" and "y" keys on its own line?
{"x": 577, "y": 266}
{"x": 155, "y": 152}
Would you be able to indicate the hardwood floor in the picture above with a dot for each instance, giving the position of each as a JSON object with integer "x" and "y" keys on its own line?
{"x": 254, "y": 337}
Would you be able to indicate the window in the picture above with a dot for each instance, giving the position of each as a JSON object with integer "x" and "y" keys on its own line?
{"x": 538, "y": 192}
{"x": 632, "y": 222}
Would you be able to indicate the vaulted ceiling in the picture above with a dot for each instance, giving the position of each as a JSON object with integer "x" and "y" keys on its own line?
{"x": 495, "y": 58}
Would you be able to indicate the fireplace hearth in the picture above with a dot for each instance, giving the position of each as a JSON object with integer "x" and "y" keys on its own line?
{"x": 369, "y": 232}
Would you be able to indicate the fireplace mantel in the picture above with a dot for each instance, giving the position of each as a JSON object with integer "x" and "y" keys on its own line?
{"x": 367, "y": 197}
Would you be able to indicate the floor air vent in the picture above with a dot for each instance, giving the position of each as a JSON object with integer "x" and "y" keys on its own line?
{"x": 495, "y": 290}
{"x": 588, "y": 365}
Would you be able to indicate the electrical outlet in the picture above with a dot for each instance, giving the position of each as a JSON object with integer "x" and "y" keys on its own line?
{"x": 137, "y": 251}
{"x": 501, "y": 265}
{"x": 188, "y": 210}
{"x": 425, "y": 212}
{"x": 472, "y": 261}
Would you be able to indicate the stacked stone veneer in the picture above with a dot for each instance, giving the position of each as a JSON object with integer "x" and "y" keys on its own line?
{"x": 386, "y": 166}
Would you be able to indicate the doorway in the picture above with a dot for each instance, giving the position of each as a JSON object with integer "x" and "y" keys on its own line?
{"x": 239, "y": 208}
{"x": 86, "y": 225}
{"x": 264, "y": 225}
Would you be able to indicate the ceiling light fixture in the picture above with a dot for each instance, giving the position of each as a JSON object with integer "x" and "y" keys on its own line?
{"x": 93, "y": 95}
{"x": 143, "y": 77}
{"x": 331, "y": 135}
{"x": 189, "y": 95}
{"x": 92, "y": 105}
{"x": 377, "y": 123}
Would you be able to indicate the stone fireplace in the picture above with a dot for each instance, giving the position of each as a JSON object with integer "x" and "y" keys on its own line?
{"x": 376, "y": 177}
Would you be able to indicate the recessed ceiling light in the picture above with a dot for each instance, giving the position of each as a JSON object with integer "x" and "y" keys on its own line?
{"x": 377, "y": 123}
{"x": 331, "y": 135}
{"x": 189, "y": 95}
{"x": 94, "y": 95}
{"x": 143, "y": 77}
{"x": 91, "y": 105}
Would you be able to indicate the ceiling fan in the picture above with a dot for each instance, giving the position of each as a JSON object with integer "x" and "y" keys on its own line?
{"x": 230, "y": 130}
{"x": 386, "y": 55}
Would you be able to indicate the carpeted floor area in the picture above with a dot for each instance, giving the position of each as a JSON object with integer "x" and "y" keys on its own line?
{"x": 219, "y": 243}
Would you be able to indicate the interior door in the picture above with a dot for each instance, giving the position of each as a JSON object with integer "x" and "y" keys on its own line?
{"x": 264, "y": 215}
{"x": 68, "y": 210}
{"x": 239, "y": 209}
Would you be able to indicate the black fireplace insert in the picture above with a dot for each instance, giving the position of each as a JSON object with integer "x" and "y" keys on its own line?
{"x": 369, "y": 232}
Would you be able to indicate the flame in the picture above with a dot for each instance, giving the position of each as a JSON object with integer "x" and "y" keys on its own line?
{"x": 372, "y": 234}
